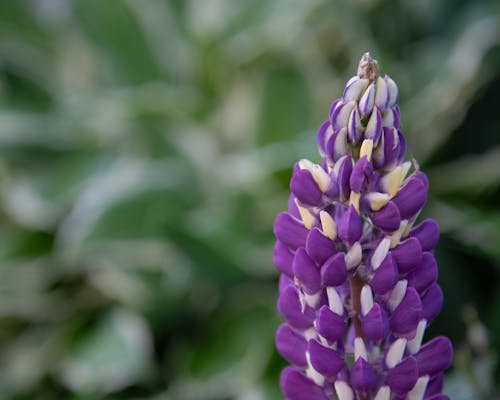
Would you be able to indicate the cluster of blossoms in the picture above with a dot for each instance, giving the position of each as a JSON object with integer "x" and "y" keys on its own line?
{"x": 358, "y": 279}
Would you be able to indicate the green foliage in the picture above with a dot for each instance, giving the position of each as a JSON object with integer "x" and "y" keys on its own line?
{"x": 145, "y": 148}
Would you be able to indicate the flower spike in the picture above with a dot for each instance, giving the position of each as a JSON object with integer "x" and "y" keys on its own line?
{"x": 358, "y": 282}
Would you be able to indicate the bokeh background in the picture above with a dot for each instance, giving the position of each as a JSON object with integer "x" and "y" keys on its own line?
{"x": 146, "y": 146}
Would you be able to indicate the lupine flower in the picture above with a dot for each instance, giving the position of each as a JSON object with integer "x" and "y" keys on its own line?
{"x": 358, "y": 278}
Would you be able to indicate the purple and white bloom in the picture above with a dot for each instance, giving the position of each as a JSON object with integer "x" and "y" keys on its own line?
{"x": 358, "y": 278}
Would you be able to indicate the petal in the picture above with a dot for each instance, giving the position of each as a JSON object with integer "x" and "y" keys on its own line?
{"x": 284, "y": 282}
{"x": 392, "y": 89}
{"x": 325, "y": 360}
{"x": 390, "y": 147}
{"x": 382, "y": 94}
{"x": 374, "y": 126}
{"x": 282, "y": 258}
{"x": 403, "y": 376}
{"x": 334, "y": 270}
{"x": 330, "y": 325}
{"x": 407, "y": 255}
{"x": 319, "y": 247}
{"x": 340, "y": 116}
{"x": 306, "y": 270}
{"x": 290, "y": 230}
{"x": 363, "y": 376}
{"x": 387, "y": 218}
{"x": 374, "y": 324}
{"x": 360, "y": 175}
{"x": 305, "y": 188}
{"x": 432, "y": 302}
{"x": 324, "y": 133}
{"x": 354, "y": 126}
{"x": 385, "y": 277}
{"x": 354, "y": 88}
{"x": 435, "y": 385}
{"x": 292, "y": 207}
{"x": 411, "y": 197}
{"x": 435, "y": 356}
{"x": 425, "y": 274}
{"x": 344, "y": 177}
{"x": 427, "y": 234}
{"x": 350, "y": 226}
{"x": 290, "y": 307}
{"x": 336, "y": 147}
{"x": 291, "y": 345}
{"x": 367, "y": 100}
{"x": 296, "y": 386}
{"x": 404, "y": 319}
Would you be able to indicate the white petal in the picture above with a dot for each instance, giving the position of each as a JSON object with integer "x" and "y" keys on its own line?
{"x": 395, "y": 353}
{"x": 334, "y": 301}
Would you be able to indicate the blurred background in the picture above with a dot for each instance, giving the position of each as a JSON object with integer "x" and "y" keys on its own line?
{"x": 146, "y": 147}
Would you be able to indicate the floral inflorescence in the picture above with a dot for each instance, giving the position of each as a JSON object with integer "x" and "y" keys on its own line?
{"x": 358, "y": 279}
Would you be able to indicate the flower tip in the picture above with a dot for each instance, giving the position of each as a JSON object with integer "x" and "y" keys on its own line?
{"x": 368, "y": 67}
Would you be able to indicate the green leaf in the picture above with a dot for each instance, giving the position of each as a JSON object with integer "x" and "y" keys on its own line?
{"x": 113, "y": 355}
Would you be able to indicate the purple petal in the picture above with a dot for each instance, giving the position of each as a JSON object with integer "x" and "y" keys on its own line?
{"x": 325, "y": 360}
{"x": 322, "y": 136}
{"x": 319, "y": 247}
{"x": 292, "y": 207}
{"x": 387, "y": 218}
{"x": 350, "y": 226}
{"x": 360, "y": 175}
{"x": 333, "y": 188}
{"x": 427, "y": 234}
{"x": 435, "y": 356}
{"x": 363, "y": 376}
{"x": 306, "y": 270}
{"x": 340, "y": 116}
{"x": 354, "y": 88}
{"x": 374, "y": 126}
{"x": 378, "y": 154}
{"x": 344, "y": 177}
{"x": 403, "y": 376}
{"x": 397, "y": 116}
{"x": 425, "y": 274}
{"x": 385, "y": 277}
{"x": 423, "y": 178}
{"x": 284, "y": 282}
{"x": 296, "y": 386}
{"x": 333, "y": 108}
{"x": 289, "y": 306}
{"x": 290, "y": 230}
{"x": 282, "y": 258}
{"x": 407, "y": 255}
{"x": 411, "y": 197}
{"x": 367, "y": 100}
{"x": 305, "y": 188}
{"x": 435, "y": 385}
{"x": 401, "y": 146}
{"x": 334, "y": 270}
{"x": 391, "y": 151}
{"x": 404, "y": 319}
{"x": 330, "y": 325}
{"x": 336, "y": 146}
{"x": 354, "y": 126}
{"x": 291, "y": 345}
{"x": 438, "y": 397}
{"x": 374, "y": 324}
{"x": 432, "y": 302}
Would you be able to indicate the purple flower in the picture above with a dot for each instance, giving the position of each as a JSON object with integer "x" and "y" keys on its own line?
{"x": 358, "y": 285}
